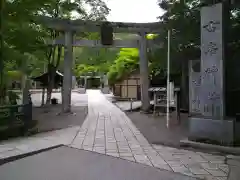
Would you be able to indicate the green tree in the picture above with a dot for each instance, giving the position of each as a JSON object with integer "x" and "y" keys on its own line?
{"x": 64, "y": 9}
{"x": 126, "y": 62}
{"x": 19, "y": 36}
{"x": 183, "y": 19}
{"x": 99, "y": 58}
{"x": 24, "y": 38}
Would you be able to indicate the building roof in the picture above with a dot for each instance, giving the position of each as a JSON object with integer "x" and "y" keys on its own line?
{"x": 43, "y": 79}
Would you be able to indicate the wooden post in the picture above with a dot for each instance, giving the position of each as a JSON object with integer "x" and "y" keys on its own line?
{"x": 67, "y": 74}
{"x": 144, "y": 72}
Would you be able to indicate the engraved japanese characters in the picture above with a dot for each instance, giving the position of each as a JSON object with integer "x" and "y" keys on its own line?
{"x": 211, "y": 93}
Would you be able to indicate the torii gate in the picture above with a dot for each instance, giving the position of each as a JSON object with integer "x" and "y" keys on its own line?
{"x": 69, "y": 27}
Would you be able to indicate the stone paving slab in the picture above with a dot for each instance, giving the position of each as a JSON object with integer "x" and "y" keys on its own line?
{"x": 65, "y": 163}
{"x": 41, "y": 141}
{"x": 107, "y": 130}
{"x": 234, "y": 166}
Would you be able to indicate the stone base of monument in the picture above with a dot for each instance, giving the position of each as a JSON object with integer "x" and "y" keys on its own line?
{"x": 220, "y": 132}
{"x": 105, "y": 90}
{"x": 210, "y": 147}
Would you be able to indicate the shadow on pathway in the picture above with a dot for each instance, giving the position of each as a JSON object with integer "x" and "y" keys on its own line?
{"x": 68, "y": 163}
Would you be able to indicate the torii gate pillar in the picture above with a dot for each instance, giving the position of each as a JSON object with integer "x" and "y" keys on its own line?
{"x": 144, "y": 72}
{"x": 67, "y": 74}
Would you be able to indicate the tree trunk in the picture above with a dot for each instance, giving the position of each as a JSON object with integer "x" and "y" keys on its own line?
{"x": 26, "y": 92}
{"x": 43, "y": 96}
{"x": 2, "y": 85}
{"x": 184, "y": 87}
{"x": 3, "y": 94}
{"x": 52, "y": 72}
{"x": 24, "y": 83}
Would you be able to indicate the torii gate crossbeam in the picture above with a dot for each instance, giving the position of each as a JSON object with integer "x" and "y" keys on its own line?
{"x": 69, "y": 27}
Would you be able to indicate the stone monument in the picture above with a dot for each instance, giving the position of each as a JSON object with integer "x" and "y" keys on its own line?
{"x": 212, "y": 123}
{"x": 212, "y": 62}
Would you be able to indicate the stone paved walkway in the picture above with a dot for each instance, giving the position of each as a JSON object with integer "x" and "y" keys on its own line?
{"x": 107, "y": 130}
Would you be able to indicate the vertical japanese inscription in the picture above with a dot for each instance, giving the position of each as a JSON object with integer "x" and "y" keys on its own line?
{"x": 212, "y": 61}
{"x": 212, "y": 26}
{"x": 211, "y": 49}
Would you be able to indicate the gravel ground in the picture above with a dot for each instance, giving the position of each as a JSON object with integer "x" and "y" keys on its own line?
{"x": 51, "y": 119}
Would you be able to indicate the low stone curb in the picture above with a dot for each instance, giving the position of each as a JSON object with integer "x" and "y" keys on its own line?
{"x": 233, "y": 157}
{"x": 21, "y": 156}
{"x": 79, "y": 91}
{"x": 223, "y": 149}
{"x": 35, "y": 91}
{"x": 134, "y": 109}
{"x": 127, "y": 110}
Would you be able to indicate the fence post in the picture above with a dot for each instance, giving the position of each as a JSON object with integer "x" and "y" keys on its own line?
{"x": 131, "y": 101}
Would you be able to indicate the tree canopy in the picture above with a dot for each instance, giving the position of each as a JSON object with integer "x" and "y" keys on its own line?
{"x": 126, "y": 62}
{"x": 24, "y": 39}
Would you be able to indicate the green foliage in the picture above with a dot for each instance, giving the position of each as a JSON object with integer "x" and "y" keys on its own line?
{"x": 14, "y": 75}
{"x": 126, "y": 62}
{"x": 183, "y": 19}
{"x": 24, "y": 39}
{"x": 93, "y": 59}
{"x": 23, "y": 47}
{"x": 84, "y": 69}
{"x": 152, "y": 36}
{"x": 103, "y": 60}
{"x": 13, "y": 97}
